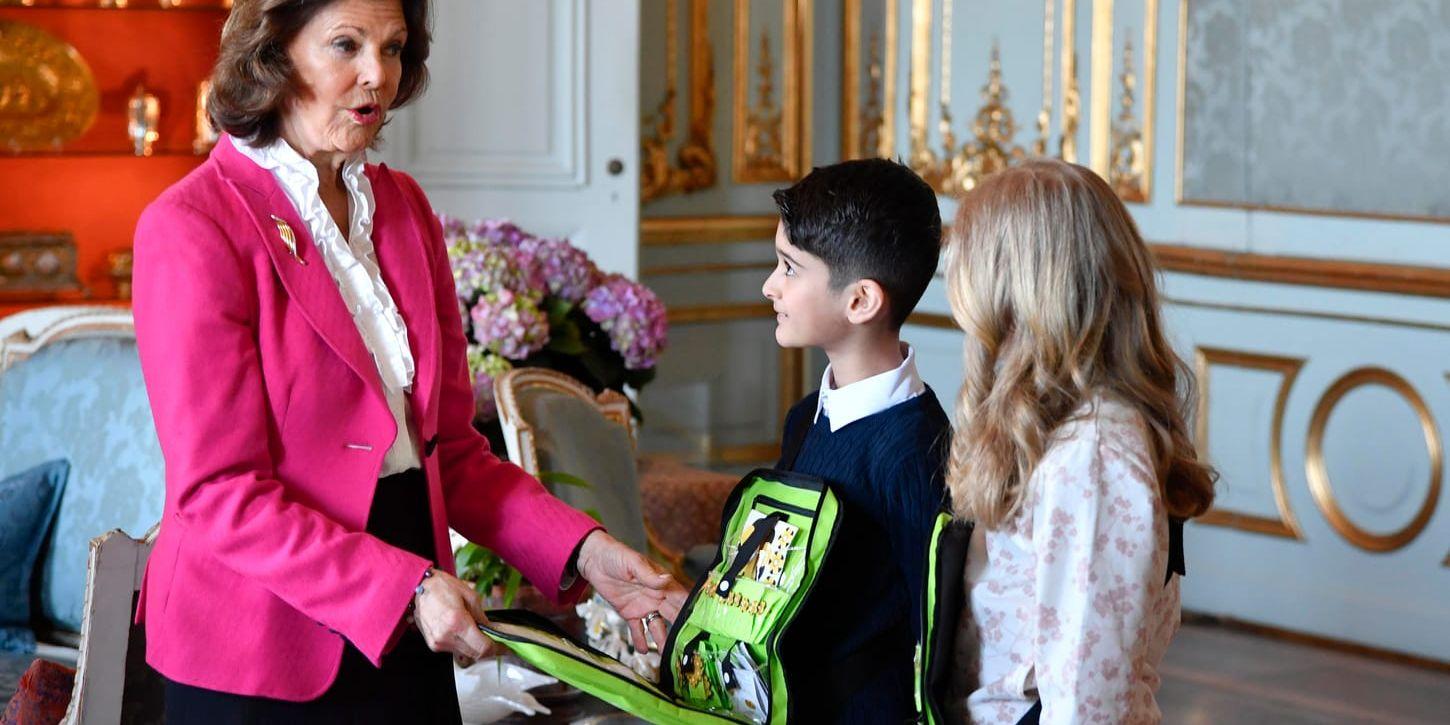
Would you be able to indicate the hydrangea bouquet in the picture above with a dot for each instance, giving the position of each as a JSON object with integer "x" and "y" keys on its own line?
{"x": 530, "y": 301}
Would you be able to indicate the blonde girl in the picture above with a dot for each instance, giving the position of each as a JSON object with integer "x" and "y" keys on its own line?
{"x": 1071, "y": 453}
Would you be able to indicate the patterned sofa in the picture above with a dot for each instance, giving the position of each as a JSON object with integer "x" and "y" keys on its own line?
{"x": 71, "y": 388}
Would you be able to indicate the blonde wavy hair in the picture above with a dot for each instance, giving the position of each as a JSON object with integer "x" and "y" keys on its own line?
{"x": 1055, "y": 288}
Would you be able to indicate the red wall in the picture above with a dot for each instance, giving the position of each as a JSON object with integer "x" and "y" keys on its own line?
{"x": 96, "y": 189}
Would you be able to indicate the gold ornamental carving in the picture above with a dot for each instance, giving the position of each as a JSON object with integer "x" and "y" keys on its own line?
{"x": 763, "y": 124}
{"x": 1285, "y": 524}
{"x": 771, "y": 142}
{"x": 868, "y": 128}
{"x": 47, "y": 93}
{"x": 1318, "y": 472}
{"x": 956, "y": 168}
{"x": 695, "y": 166}
{"x": 1126, "y": 172}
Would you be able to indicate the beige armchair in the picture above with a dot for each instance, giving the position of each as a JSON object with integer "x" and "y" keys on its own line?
{"x": 554, "y": 424}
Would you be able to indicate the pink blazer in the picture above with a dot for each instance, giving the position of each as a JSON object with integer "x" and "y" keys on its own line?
{"x": 273, "y": 425}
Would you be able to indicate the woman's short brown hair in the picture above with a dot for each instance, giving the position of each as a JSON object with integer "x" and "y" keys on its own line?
{"x": 253, "y": 75}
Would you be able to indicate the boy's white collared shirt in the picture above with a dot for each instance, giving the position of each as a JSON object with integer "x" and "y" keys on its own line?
{"x": 846, "y": 405}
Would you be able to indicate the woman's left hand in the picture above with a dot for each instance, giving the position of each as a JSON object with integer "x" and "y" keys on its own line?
{"x": 633, "y": 585}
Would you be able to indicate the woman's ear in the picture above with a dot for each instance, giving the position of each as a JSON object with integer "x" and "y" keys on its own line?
{"x": 866, "y": 302}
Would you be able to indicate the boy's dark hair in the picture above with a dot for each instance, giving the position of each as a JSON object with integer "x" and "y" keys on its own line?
{"x": 868, "y": 219}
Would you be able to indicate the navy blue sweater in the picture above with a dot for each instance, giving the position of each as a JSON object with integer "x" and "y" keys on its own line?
{"x": 887, "y": 469}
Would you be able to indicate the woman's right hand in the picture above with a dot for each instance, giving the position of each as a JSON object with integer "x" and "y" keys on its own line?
{"x": 448, "y": 612}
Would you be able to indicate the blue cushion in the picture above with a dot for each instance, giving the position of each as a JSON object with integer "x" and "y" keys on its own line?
{"x": 83, "y": 399}
{"x": 27, "y": 504}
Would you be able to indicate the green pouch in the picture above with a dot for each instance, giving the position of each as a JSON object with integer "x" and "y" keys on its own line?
{"x": 777, "y": 529}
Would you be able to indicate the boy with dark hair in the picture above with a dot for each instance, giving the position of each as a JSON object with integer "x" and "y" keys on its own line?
{"x": 857, "y": 245}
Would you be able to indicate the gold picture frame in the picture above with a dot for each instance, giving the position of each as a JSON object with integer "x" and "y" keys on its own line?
{"x": 771, "y": 143}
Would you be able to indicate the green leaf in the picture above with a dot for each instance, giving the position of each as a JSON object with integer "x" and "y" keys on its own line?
{"x": 511, "y": 586}
{"x": 593, "y": 514}
{"x": 559, "y": 309}
{"x": 564, "y": 339}
{"x": 559, "y": 478}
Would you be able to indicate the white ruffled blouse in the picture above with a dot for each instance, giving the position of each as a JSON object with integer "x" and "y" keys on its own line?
{"x": 1066, "y": 602}
{"x": 353, "y": 264}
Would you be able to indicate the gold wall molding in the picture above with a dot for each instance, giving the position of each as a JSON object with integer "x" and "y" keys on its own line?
{"x": 1340, "y": 274}
{"x": 1130, "y": 169}
{"x": 1071, "y": 99}
{"x": 744, "y": 454}
{"x": 956, "y": 169}
{"x": 731, "y": 312}
{"x": 1318, "y": 472}
{"x": 1100, "y": 86}
{"x": 1285, "y": 524}
{"x": 695, "y": 167}
{"x": 770, "y": 143}
{"x": 861, "y": 124}
{"x": 792, "y": 379}
{"x": 668, "y": 270}
{"x": 933, "y": 319}
{"x": 689, "y": 230}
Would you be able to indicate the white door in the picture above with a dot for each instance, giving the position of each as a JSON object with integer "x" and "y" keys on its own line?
{"x": 532, "y": 114}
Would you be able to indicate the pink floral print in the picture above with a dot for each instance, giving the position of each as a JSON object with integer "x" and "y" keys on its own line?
{"x": 1073, "y": 612}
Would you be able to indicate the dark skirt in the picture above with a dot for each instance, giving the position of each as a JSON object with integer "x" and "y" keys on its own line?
{"x": 413, "y": 685}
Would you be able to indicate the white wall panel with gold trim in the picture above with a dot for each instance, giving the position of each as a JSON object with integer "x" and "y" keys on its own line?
{"x": 1325, "y": 412}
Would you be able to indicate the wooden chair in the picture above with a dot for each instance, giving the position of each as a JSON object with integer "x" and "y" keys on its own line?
{"x": 552, "y": 423}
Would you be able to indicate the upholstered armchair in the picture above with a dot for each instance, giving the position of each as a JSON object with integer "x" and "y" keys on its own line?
{"x": 554, "y": 423}
{"x": 71, "y": 390}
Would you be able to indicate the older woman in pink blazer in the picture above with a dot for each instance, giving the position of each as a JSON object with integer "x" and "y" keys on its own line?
{"x": 302, "y": 348}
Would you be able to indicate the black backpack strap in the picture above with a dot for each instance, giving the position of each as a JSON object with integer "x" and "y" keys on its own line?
{"x": 763, "y": 531}
{"x": 795, "y": 436}
{"x": 1176, "y": 562}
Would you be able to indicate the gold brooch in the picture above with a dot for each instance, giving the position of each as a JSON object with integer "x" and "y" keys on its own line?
{"x": 289, "y": 238}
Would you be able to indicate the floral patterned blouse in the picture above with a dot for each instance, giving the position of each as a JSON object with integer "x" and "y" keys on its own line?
{"x": 1066, "y": 601}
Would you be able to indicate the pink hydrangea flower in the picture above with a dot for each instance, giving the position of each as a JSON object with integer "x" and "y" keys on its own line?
{"x": 634, "y": 318}
{"x": 509, "y": 324}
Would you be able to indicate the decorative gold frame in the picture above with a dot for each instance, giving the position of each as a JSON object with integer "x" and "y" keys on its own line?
{"x": 852, "y": 120}
{"x": 1100, "y": 87}
{"x": 795, "y": 104}
{"x": 1286, "y": 525}
{"x": 1147, "y": 100}
{"x": 687, "y": 230}
{"x": 1318, "y": 473}
{"x": 1070, "y": 101}
{"x": 1181, "y": 200}
{"x": 1342, "y": 274}
{"x": 695, "y": 167}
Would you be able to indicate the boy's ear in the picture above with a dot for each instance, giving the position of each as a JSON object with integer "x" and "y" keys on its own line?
{"x": 865, "y": 302}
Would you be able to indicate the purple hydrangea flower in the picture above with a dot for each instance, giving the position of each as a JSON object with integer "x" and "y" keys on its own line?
{"x": 452, "y": 226}
{"x": 564, "y": 269}
{"x": 485, "y": 268}
{"x": 509, "y": 324}
{"x": 634, "y": 318}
